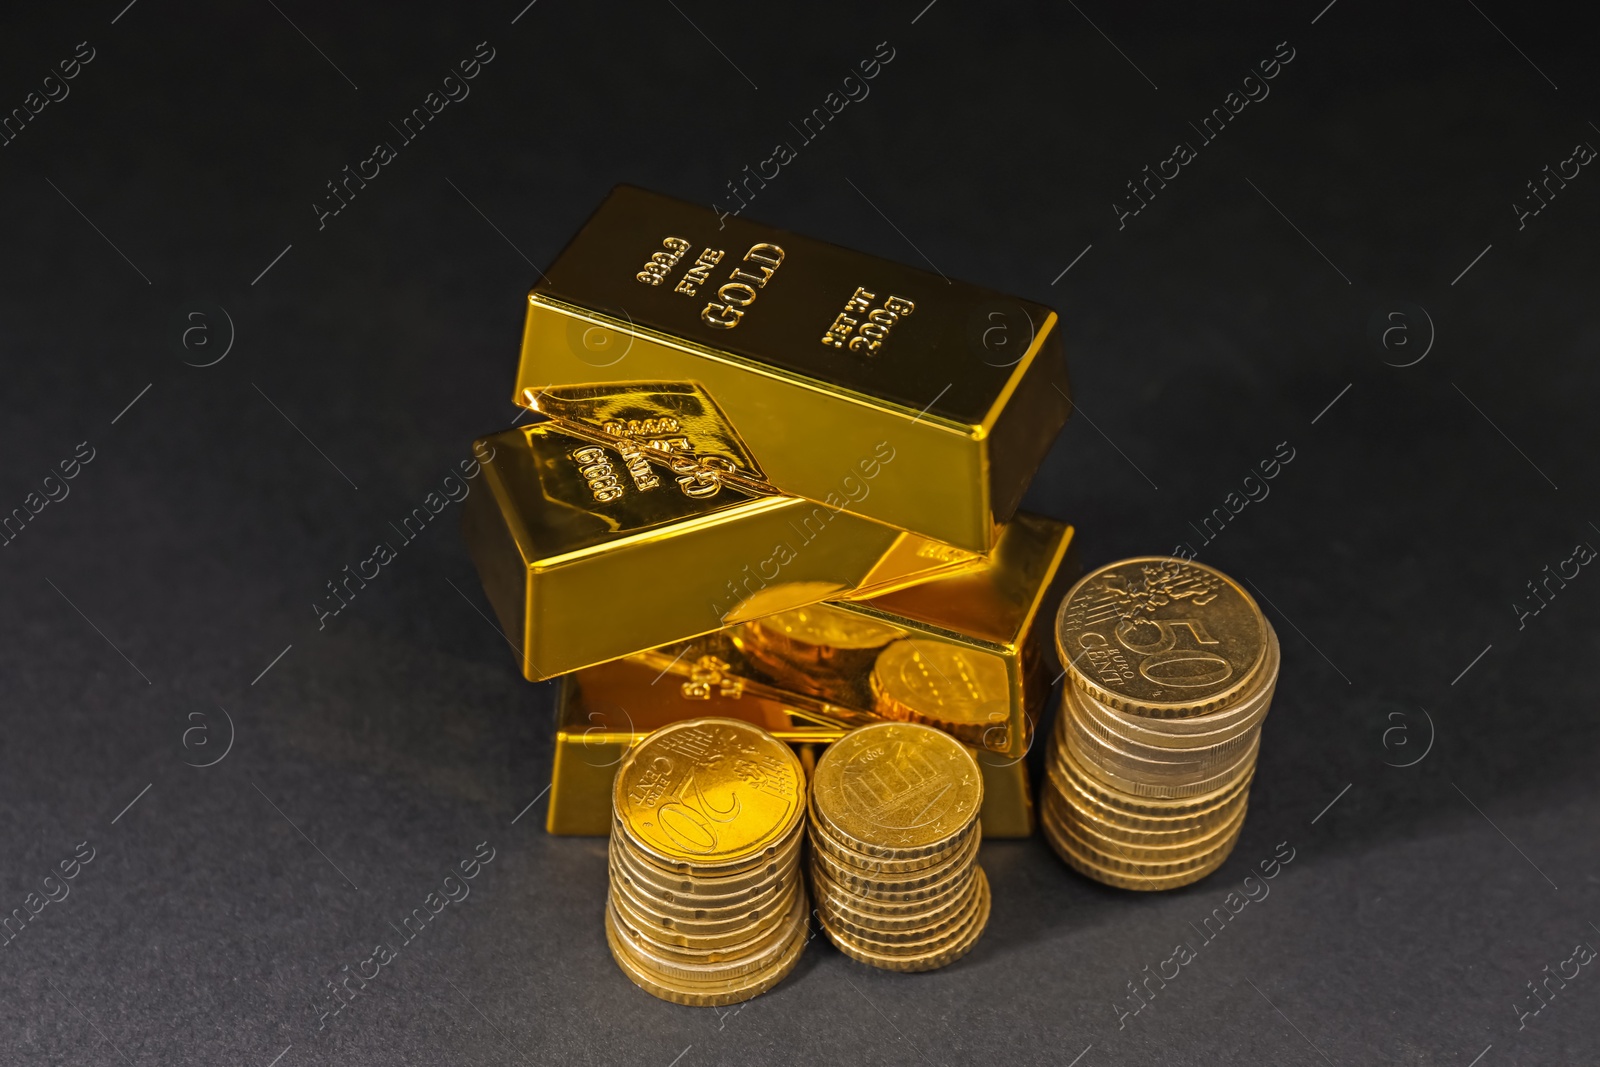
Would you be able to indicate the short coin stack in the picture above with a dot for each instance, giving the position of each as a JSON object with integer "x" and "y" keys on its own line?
{"x": 708, "y": 903}
{"x": 1171, "y": 669}
{"x": 894, "y": 847}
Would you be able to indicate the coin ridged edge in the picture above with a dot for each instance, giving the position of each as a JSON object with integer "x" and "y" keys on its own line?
{"x": 690, "y": 997}
{"x": 943, "y": 959}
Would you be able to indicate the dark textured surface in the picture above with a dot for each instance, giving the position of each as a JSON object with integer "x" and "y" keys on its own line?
{"x": 383, "y": 747}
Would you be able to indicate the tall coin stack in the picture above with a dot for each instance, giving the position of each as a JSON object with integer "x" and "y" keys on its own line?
{"x": 894, "y": 846}
{"x": 1171, "y": 668}
{"x": 708, "y": 904}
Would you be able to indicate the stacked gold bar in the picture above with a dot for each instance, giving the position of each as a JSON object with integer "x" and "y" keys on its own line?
{"x": 1171, "y": 669}
{"x": 894, "y": 847}
{"x": 708, "y": 904}
{"x": 777, "y": 481}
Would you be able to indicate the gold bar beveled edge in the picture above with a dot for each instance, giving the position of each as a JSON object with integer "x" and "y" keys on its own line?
{"x": 1041, "y": 337}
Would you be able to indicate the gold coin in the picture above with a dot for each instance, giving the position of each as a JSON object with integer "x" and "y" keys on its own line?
{"x": 1199, "y": 731}
{"x": 1112, "y": 794}
{"x": 897, "y": 790}
{"x": 719, "y": 932}
{"x": 1179, "y": 763}
{"x": 817, "y": 633}
{"x": 757, "y": 952}
{"x": 1118, "y": 860}
{"x": 1143, "y": 836}
{"x": 1062, "y": 762}
{"x": 1119, "y": 880}
{"x": 712, "y": 880}
{"x": 1168, "y": 781}
{"x": 962, "y": 691}
{"x": 1162, "y": 637}
{"x": 821, "y": 650}
{"x": 651, "y": 945}
{"x": 921, "y": 883}
{"x": 699, "y": 906}
{"x": 822, "y": 838}
{"x": 711, "y": 993}
{"x": 709, "y": 794}
{"x": 681, "y": 888}
{"x": 928, "y": 941}
{"x": 850, "y": 911}
{"x": 696, "y": 910}
{"x": 958, "y": 946}
{"x": 1175, "y": 846}
{"x": 945, "y": 924}
{"x": 1148, "y": 738}
{"x": 887, "y": 908}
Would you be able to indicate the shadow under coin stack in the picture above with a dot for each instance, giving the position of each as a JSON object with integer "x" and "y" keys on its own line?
{"x": 1171, "y": 668}
{"x": 894, "y": 847}
{"x": 708, "y": 902}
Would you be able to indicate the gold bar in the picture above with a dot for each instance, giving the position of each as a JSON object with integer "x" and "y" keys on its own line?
{"x": 589, "y": 552}
{"x": 822, "y": 358}
{"x": 987, "y": 620}
{"x": 603, "y": 711}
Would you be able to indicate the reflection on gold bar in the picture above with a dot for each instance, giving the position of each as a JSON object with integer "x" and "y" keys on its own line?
{"x": 975, "y": 627}
{"x": 822, "y": 359}
{"x": 589, "y": 551}
{"x": 963, "y": 653}
{"x": 604, "y": 711}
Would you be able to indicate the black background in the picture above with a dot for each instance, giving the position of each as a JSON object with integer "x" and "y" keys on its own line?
{"x": 1390, "y": 553}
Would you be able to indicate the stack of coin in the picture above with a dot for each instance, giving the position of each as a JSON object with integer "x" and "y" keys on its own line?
{"x": 1171, "y": 669}
{"x": 708, "y": 904}
{"x": 894, "y": 847}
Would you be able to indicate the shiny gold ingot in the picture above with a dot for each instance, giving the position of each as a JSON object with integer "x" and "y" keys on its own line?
{"x": 586, "y": 558}
{"x": 854, "y": 382}
{"x": 897, "y": 791}
{"x": 1162, "y": 637}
